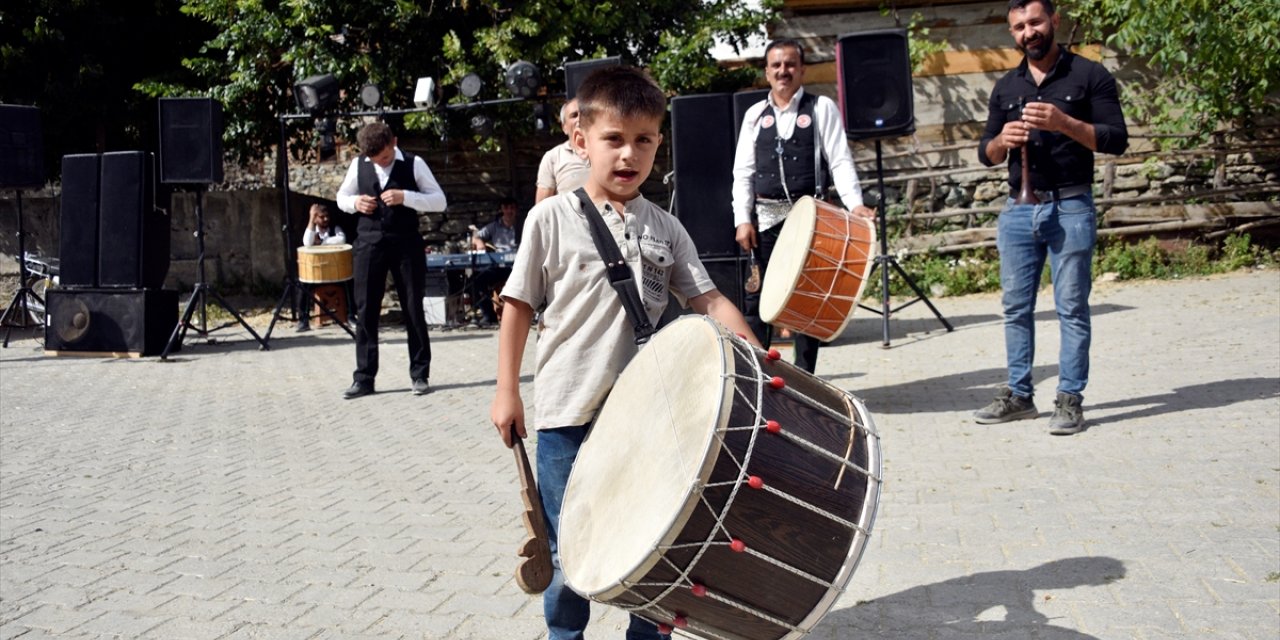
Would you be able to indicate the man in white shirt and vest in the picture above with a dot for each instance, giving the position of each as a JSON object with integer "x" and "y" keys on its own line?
{"x": 792, "y": 145}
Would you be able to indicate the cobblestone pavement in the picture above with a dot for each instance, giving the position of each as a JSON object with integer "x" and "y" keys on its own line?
{"x": 230, "y": 493}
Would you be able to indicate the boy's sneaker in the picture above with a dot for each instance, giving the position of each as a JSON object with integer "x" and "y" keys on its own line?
{"x": 1068, "y": 417}
{"x": 1006, "y": 408}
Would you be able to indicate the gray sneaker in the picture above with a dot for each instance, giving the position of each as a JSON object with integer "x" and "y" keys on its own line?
{"x": 1068, "y": 417}
{"x": 1006, "y": 408}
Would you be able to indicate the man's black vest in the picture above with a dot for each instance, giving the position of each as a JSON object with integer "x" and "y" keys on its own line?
{"x": 798, "y": 155}
{"x": 387, "y": 220}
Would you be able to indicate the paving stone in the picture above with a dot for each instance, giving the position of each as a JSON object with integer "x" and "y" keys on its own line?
{"x": 204, "y": 498}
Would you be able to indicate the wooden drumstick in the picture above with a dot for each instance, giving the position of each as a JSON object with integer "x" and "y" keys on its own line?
{"x": 534, "y": 573}
{"x": 753, "y": 280}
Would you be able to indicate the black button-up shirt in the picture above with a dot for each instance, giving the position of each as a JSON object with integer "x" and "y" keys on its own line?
{"x": 1080, "y": 88}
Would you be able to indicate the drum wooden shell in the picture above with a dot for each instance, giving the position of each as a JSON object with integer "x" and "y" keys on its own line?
{"x": 662, "y": 488}
{"x": 818, "y": 269}
{"x": 324, "y": 263}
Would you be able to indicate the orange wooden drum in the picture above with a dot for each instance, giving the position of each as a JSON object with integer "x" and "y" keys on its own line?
{"x": 324, "y": 263}
{"x": 817, "y": 270}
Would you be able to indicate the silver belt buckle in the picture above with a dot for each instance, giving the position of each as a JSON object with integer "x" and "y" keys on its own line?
{"x": 776, "y": 208}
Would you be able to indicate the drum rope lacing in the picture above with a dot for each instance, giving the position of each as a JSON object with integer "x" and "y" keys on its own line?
{"x": 804, "y": 322}
{"x": 683, "y": 579}
{"x": 652, "y": 605}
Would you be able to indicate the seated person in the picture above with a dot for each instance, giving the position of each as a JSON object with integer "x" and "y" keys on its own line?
{"x": 320, "y": 232}
{"x": 499, "y": 235}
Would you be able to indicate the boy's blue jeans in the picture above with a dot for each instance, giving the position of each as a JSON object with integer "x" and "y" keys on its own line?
{"x": 1065, "y": 231}
{"x": 567, "y": 613}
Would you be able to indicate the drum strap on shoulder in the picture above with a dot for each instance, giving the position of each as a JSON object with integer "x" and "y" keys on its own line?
{"x": 620, "y": 276}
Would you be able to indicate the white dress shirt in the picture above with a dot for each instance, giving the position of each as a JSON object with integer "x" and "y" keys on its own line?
{"x": 313, "y": 236}
{"x": 428, "y": 197}
{"x": 831, "y": 135}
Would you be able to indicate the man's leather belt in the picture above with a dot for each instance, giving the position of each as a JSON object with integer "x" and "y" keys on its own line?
{"x": 1062, "y": 193}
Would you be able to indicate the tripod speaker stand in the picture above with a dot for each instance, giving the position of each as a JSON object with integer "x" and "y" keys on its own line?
{"x": 20, "y": 305}
{"x": 293, "y": 288}
{"x": 886, "y": 260}
{"x": 200, "y": 296}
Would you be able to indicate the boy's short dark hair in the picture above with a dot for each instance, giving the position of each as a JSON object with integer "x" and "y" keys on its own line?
{"x": 1022, "y": 4}
{"x": 625, "y": 91}
{"x": 785, "y": 42}
{"x": 506, "y": 200}
{"x": 374, "y": 137}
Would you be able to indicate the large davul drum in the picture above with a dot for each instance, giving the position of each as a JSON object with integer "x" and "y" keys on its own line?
{"x": 721, "y": 491}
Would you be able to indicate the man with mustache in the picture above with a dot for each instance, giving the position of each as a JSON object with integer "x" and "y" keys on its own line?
{"x": 792, "y": 144}
{"x": 1063, "y": 108}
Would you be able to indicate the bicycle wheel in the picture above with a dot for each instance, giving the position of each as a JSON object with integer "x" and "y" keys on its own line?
{"x": 35, "y": 305}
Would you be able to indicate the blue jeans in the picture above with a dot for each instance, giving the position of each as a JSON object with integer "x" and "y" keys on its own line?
{"x": 567, "y": 613}
{"x": 1065, "y": 231}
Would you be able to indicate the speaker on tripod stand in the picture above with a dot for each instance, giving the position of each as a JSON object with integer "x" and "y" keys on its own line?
{"x": 877, "y": 101}
{"x": 191, "y": 154}
{"x": 21, "y": 166}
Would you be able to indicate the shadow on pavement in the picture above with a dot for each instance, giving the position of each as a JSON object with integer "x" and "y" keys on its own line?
{"x": 868, "y": 327}
{"x": 1219, "y": 393}
{"x": 996, "y": 604}
{"x": 491, "y": 383}
{"x": 967, "y": 391}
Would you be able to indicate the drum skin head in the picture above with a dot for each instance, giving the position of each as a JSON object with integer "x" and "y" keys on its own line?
{"x": 651, "y": 444}
{"x": 325, "y": 248}
{"x": 788, "y": 258}
{"x": 818, "y": 269}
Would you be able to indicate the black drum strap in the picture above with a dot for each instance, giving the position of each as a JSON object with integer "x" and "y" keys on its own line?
{"x": 620, "y": 276}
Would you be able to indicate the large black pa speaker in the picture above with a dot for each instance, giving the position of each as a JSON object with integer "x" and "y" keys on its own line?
{"x": 78, "y": 229}
{"x": 702, "y": 149}
{"x": 730, "y": 276}
{"x": 190, "y": 140}
{"x": 742, "y": 101}
{"x": 133, "y": 235}
{"x": 136, "y": 322}
{"x": 21, "y": 147}
{"x": 874, "y": 81}
{"x": 576, "y": 72}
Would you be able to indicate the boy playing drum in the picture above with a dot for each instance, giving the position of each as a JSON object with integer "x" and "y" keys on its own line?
{"x": 585, "y": 338}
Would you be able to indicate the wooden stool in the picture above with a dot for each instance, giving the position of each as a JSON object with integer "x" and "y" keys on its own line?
{"x": 334, "y": 297}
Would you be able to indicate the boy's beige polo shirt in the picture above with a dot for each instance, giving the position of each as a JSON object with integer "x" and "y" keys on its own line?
{"x": 586, "y": 338}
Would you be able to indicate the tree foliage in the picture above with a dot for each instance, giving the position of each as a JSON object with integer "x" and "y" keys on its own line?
{"x": 1214, "y": 61}
{"x": 262, "y": 48}
{"x": 96, "y": 66}
{"x": 78, "y": 61}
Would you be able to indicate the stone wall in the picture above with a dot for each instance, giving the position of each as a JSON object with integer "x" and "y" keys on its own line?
{"x": 245, "y": 247}
{"x": 936, "y": 199}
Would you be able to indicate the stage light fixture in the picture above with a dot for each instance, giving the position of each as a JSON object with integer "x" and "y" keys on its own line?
{"x": 541, "y": 117}
{"x": 371, "y": 95}
{"x": 470, "y": 85}
{"x": 328, "y": 129}
{"x": 523, "y": 79}
{"x": 317, "y": 93}
{"x": 424, "y": 94}
{"x": 482, "y": 125}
